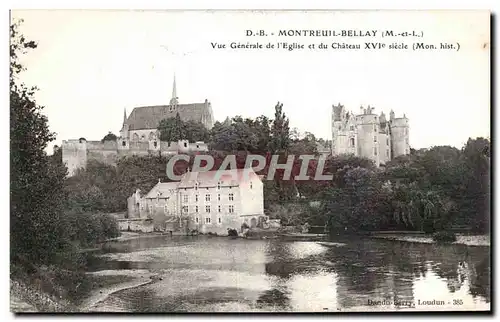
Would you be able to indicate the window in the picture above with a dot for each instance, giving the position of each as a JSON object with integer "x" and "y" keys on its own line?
{"x": 251, "y": 185}
{"x": 196, "y": 198}
{"x": 219, "y": 208}
{"x": 219, "y": 220}
{"x": 352, "y": 127}
{"x": 352, "y": 141}
{"x": 218, "y": 197}
{"x": 185, "y": 198}
{"x": 375, "y": 127}
{"x": 196, "y": 208}
{"x": 197, "y": 146}
{"x": 207, "y": 209}
{"x": 185, "y": 209}
{"x": 196, "y": 219}
{"x": 185, "y": 145}
{"x": 218, "y": 185}
{"x": 207, "y": 220}
{"x": 375, "y": 151}
{"x": 196, "y": 186}
{"x": 207, "y": 197}
{"x": 231, "y": 209}
{"x": 375, "y": 138}
{"x": 124, "y": 143}
{"x": 155, "y": 144}
{"x": 165, "y": 209}
{"x": 231, "y": 197}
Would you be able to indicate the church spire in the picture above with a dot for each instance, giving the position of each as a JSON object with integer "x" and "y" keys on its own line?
{"x": 173, "y": 100}
{"x": 124, "y": 116}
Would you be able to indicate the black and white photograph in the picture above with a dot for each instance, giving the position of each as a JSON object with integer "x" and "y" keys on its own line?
{"x": 250, "y": 161}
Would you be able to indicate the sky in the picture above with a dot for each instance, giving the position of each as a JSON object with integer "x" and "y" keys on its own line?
{"x": 91, "y": 65}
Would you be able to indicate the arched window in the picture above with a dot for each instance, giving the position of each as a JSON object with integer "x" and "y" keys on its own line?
{"x": 136, "y": 137}
{"x": 152, "y": 136}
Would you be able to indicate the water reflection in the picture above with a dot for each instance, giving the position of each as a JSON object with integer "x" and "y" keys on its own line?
{"x": 218, "y": 274}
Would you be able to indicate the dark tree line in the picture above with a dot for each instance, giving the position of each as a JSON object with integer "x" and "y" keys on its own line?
{"x": 41, "y": 230}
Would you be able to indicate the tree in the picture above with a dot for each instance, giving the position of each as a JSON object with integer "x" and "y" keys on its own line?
{"x": 476, "y": 157}
{"x": 38, "y": 232}
{"x": 306, "y": 145}
{"x": 174, "y": 129}
{"x": 196, "y": 131}
{"x": 109, "y": 137}
{"x": 280, "y": 130}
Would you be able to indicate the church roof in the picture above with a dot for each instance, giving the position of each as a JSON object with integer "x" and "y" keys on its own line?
{"x": 148, "y": 117}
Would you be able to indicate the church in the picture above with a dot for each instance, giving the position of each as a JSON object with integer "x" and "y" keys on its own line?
{"x": 142, "y": 123}
{"x": 139, "y": 135}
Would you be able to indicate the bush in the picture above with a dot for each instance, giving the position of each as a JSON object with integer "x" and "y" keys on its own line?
{"x": 90, "y": 229}
{"x": 444, "y": 236}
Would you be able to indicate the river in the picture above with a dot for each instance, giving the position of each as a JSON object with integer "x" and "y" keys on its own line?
{"x": 218, "y": 274}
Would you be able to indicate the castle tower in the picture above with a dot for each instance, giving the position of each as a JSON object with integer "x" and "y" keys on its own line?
{"x": 368, "y": 135}
{"x": 74, "y": 155}
{"x": 400, "y": 135}
{"x": 384, "y": 140}
{"x": 339, "y": 139}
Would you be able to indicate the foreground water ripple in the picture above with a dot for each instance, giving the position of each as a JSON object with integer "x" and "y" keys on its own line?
{"x": 201, "y": 274}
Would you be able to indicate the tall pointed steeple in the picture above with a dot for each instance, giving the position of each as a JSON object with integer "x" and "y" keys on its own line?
{"x": 124, "y": 116}
{"x": 174, "y": 99}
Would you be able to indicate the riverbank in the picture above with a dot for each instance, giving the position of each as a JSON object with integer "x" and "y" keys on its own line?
{"x": 26, "y": 298}
{"x": 135, "y": 278}
{"x": 462, "y": 239}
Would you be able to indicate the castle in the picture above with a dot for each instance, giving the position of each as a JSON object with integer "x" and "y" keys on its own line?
{"x": 139, "y": 135}
{"x": 369, "y": 135}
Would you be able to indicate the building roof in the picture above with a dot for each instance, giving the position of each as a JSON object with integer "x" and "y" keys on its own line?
{"x": 163, "y": 188}
{"x": 148, "y": 117}
{"x": 209, "y": 179}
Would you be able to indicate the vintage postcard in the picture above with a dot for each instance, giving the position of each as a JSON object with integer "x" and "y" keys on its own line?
{"x": 250, "y": 161}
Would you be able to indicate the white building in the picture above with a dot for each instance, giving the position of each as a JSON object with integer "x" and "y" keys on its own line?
{"x": 210, "y": 201}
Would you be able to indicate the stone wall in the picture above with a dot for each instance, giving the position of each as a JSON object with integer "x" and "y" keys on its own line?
{"x": 76, "y": 153}
{"x": 145, "y": 226}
